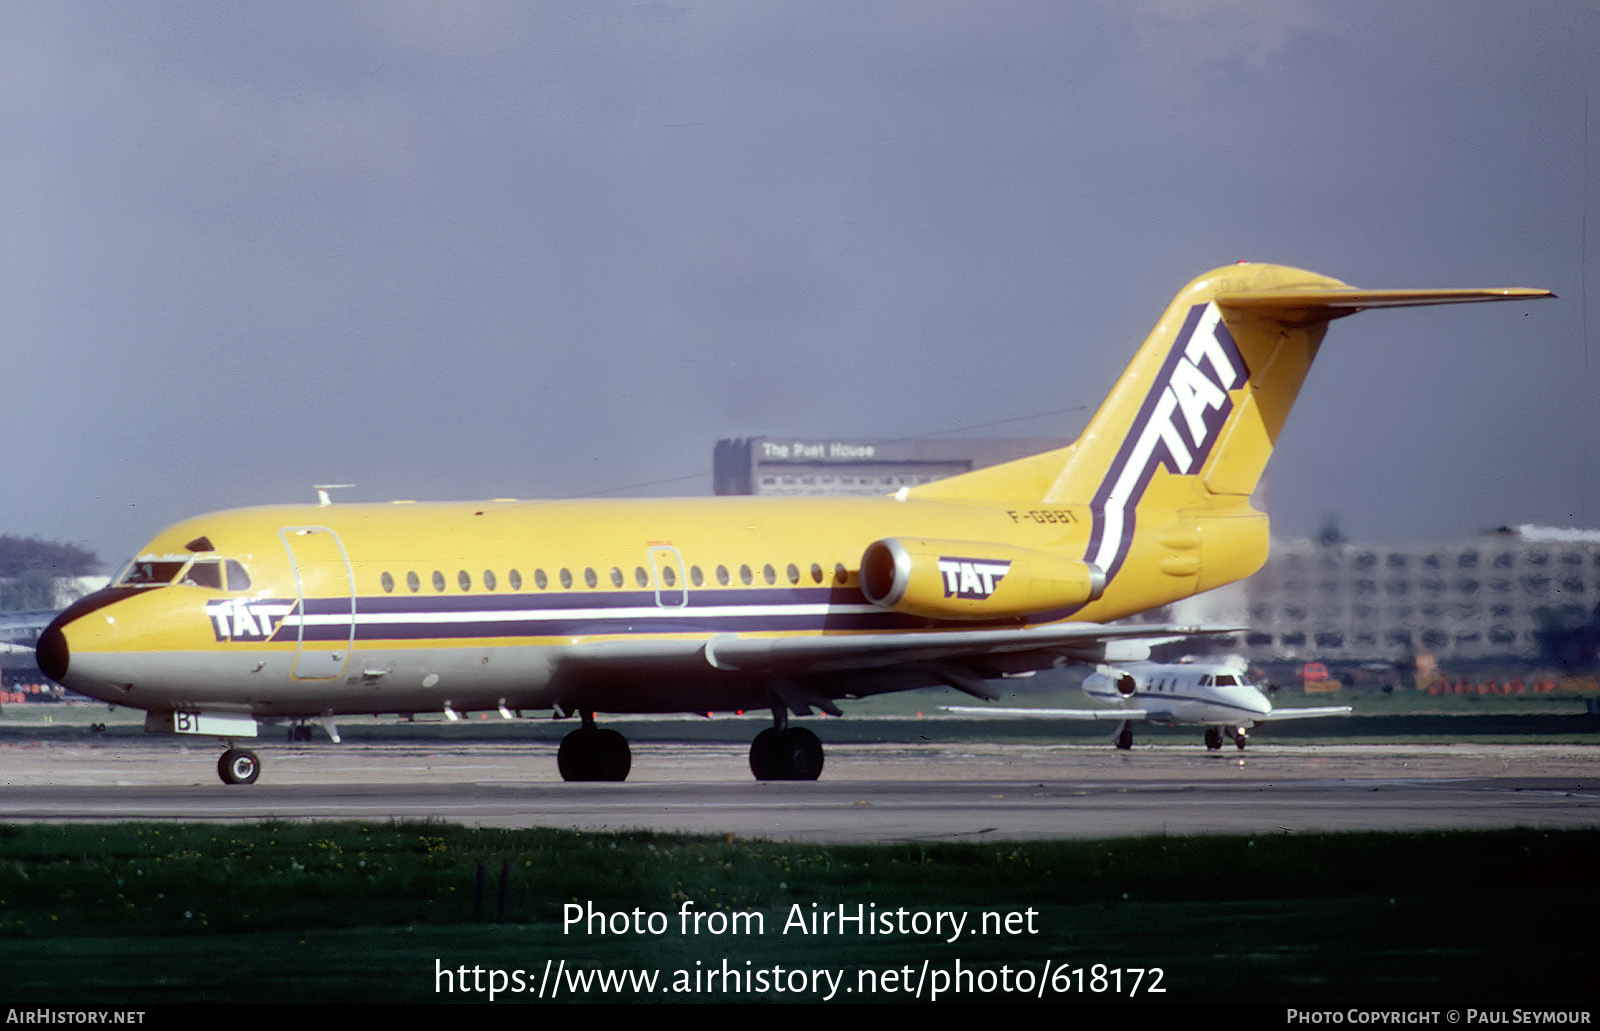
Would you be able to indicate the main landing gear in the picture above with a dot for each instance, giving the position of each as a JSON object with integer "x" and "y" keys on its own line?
{"x": 1124, "y": 736}
{"x": 590, "y": 753}
{"x": 786, "y": 753}
{"x": 1214, "y": 737}
{"x": 238, "y": 766}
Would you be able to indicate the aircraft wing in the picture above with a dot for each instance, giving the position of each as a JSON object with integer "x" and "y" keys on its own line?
{"x": 1306, "y": 713}
{"x": 1039, "y": 647}
{"x": 1056, "y": 714}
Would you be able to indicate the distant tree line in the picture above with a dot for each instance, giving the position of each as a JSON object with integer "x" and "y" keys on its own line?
{"x": 30, "y": 566}
{"x": 19, "y": 555}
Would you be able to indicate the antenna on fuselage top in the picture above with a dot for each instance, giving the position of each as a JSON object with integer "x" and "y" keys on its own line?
{"x": 323, "y": 501}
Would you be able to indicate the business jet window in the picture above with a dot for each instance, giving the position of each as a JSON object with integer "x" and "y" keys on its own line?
{"x": 388, "y": 583}
{"x": 488, "y": 580}
{"x": 150, "y": 574}
{"x": 204, "y": 574}
{"x": 464, "y": 579}
{"x": 516, "y": 580}
{"x": 438, "y": 580}
{"x": 238, "y": 579}
{"x": 413, "y": 582}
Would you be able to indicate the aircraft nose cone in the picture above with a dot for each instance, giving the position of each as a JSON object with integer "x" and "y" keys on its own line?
{"x": 52, "y": 652}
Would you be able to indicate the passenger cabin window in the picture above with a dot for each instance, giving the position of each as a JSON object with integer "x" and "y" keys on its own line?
{"x": 590, "y": 578}
{"x": 438, "y": 580}
{"x": 696, "y": 577}
{"x": 566, "y": 579}
{"x": 464, "y": 579}
{"x": 413, "y": 582}
{"x": 489, "y": 580}
{"x": 516, "y": 580}
{"x": 388, "y": 583}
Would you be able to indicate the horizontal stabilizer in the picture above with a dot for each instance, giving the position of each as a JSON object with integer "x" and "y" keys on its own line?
{"x": 1318, "y": 304}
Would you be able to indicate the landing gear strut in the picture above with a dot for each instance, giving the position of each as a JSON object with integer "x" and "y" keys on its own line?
{"x": 782, "y": 752}
{"x": 590, "y": 753}
{"x": 238, "y": 766}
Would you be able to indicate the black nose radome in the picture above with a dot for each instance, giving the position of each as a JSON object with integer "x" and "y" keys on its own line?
{"x": 51, "y": 651}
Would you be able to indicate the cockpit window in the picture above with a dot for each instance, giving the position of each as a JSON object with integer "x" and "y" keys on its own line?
{"x": 238, "y": 579}
{"x": 204, "y": 574}
{"x": 1227, "y": 680}
{"x": 146, "y": 573}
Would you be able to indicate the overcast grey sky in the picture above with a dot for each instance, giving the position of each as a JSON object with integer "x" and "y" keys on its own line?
{"x": 455, "y": 250}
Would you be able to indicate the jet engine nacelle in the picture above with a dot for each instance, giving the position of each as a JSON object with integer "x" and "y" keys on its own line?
{"x": 1106, "y": 679}
{"x": 969, "y": 580}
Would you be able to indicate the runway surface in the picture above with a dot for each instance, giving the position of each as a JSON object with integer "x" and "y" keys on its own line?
{"x": 868, "y": 792}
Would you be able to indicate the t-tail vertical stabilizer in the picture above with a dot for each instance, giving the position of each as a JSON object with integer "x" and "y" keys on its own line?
{"x": 1168, "y": 463}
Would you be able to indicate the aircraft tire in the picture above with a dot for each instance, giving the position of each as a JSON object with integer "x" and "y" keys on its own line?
{"x": 1213, "y": 738}
{"x": 592, "y": 754}
{"x": 763, "y": 760}
{"x": 1125, "y": 738}
{"x": 613, "y": 758}
{"x": 1240, "y": 739}
{"x": 796, "y": 755}
{"x": 238, "y": 766}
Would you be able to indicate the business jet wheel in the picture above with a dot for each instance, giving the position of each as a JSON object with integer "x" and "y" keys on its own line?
{"x": 590, "y": 753}
{"x": 238, "y": 766}
{"x": 792, "y": 754}
{"x": 1125, "y": 738}
{"x": 1213, "y": 738}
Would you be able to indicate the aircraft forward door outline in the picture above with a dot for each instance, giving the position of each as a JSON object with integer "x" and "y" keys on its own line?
{"x": 324, "y": 652}
{"x": 666, "y": 567}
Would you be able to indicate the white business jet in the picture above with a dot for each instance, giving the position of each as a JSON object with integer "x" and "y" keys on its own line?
{"x": 1214, "y": 695}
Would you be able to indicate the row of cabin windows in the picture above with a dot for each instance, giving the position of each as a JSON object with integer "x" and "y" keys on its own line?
{"x": 617, "y": 579}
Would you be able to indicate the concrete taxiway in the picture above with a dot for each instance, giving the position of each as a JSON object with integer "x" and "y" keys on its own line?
{"x": 902, "y": 792}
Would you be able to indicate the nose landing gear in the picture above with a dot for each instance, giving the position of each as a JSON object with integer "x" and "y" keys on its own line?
{"x": 238, "y": 766}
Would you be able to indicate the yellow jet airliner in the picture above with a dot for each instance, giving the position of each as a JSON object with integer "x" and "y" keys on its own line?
{"x": 310, "y": 612}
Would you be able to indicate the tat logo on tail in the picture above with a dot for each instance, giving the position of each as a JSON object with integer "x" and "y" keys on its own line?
{"x": 1176, "y": 428}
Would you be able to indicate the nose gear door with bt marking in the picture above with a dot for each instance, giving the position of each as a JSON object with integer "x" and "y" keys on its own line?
{"x": 326, "y": 589}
